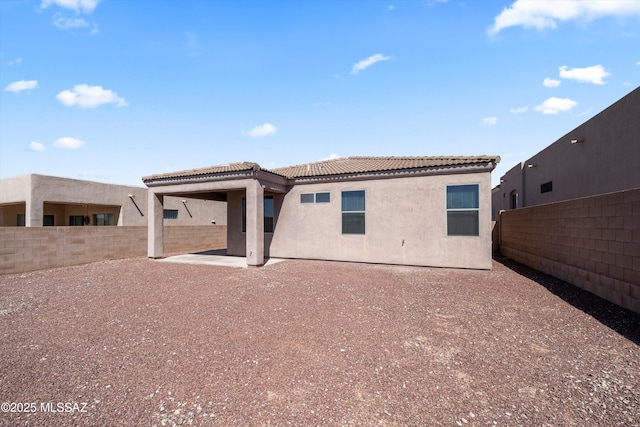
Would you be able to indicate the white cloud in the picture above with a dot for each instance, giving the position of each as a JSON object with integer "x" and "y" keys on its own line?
{"x": 65, "y": 23}
{"x": 68, "y": 143}
{"x": 519, "y": 110}
{"x": 638, "y": 63}
{"x": 546, "y": 14}
{"x": 391, "y": 7}
{"x": 551, "y": 82}
{"x": 260, "y": 131}
{"x": 21, "y": 85}
{"x": 331, "y": 156}
{"x": 17, "y": 61}
{"x": 366, "y": 63}
{"x": 490, "y": 120}
{"x": 78, "y": 6}
{"x": 321, "y": 104}
{"x": 555, "y": 105}
{"x": 593, "y": 74}
{"x": 85, "y": 96}
{"x": 36, "y": 146}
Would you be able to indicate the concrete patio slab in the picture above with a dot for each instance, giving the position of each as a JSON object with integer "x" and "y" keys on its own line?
{"x": 211, "y": 258}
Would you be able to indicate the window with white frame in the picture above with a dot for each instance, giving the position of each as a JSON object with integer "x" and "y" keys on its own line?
{"x": 353, "y": 212}
{"x": 320, "y": 197}
{"x": 463, "y": 210}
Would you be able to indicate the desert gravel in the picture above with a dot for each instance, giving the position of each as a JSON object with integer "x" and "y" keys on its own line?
{"x": 305, "y": 343}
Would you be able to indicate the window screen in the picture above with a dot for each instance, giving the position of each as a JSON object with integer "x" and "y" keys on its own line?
{"x": 306, "y": 198}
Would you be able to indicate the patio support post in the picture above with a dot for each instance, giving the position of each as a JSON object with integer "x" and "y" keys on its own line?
{"x": 34, "y": 205}
{"x": 155, "y": 238}
{"x": 34, "y": 211}
{"x": 255, "y": 224}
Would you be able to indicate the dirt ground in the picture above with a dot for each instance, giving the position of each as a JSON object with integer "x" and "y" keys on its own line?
{"x": 142, "y": 343}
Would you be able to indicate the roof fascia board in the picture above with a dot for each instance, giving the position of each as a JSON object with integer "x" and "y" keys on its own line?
{"x": 401, "y": 173}
{"x": 188, "y": 179}
{"x": 268, "y": 176}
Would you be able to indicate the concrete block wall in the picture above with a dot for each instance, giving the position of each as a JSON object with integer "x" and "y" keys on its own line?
{"x": 592, "y": 243}
{"x": 33, "y": 248}
{"x": 181, "y": 238}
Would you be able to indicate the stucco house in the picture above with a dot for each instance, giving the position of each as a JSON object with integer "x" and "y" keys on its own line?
{"x": 599, "y": 156}
{"x": 424, "y": 211}
{"x": 35, "y": 200}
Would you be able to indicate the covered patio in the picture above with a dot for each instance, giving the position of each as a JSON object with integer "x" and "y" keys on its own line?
{"x": 243, "y": 186}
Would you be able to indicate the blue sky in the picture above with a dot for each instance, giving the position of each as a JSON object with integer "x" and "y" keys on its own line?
{"x": 112, "y": 90}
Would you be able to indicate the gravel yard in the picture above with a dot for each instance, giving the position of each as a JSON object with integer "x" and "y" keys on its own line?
{"x": 141, "y": 343}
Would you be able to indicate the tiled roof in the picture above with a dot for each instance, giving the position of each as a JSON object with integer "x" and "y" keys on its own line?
{"x": 231, "y": 167}
{"x": 339, "y": 166}
{"x": 351, "y": 165}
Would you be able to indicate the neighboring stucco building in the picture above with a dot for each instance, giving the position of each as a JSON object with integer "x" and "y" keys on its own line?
{"x": 600, "y": 156}
{"x": 428, "y": 211}
{"x": 38, "y": 200}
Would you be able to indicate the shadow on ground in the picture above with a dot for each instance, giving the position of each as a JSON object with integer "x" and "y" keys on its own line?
{"x": 219, "y": 252}
{"x": 621, "y": 320}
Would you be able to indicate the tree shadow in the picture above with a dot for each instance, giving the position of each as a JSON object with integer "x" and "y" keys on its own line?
{"x": 623, "y": 321}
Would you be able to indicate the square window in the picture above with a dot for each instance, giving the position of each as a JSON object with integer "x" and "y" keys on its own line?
{"x": 352, "y": 201}
{"x": 462, "y": 197}
{"x": 462, "y": 223}
{"x": 306, "y": 198}
{"x": 323, "y": 197}
{"x": 353, "y": 223}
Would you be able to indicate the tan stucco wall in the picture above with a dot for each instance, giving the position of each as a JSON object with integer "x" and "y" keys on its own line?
{"x": 410, "y": 210}
{"x": 63, "y": 197}
{"x": 9, "y": 214}
{"x": 605, "y": 161}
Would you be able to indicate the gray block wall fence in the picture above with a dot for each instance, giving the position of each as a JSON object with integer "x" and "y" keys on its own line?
{"x": 592, "y": 243}
{"x": 25, "y": 249}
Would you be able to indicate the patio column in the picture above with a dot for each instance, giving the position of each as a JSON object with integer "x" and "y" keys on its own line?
{"x": 34, "y": 211}
{"x": 155, "y": 226}
{"x": 255, "y": 224}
